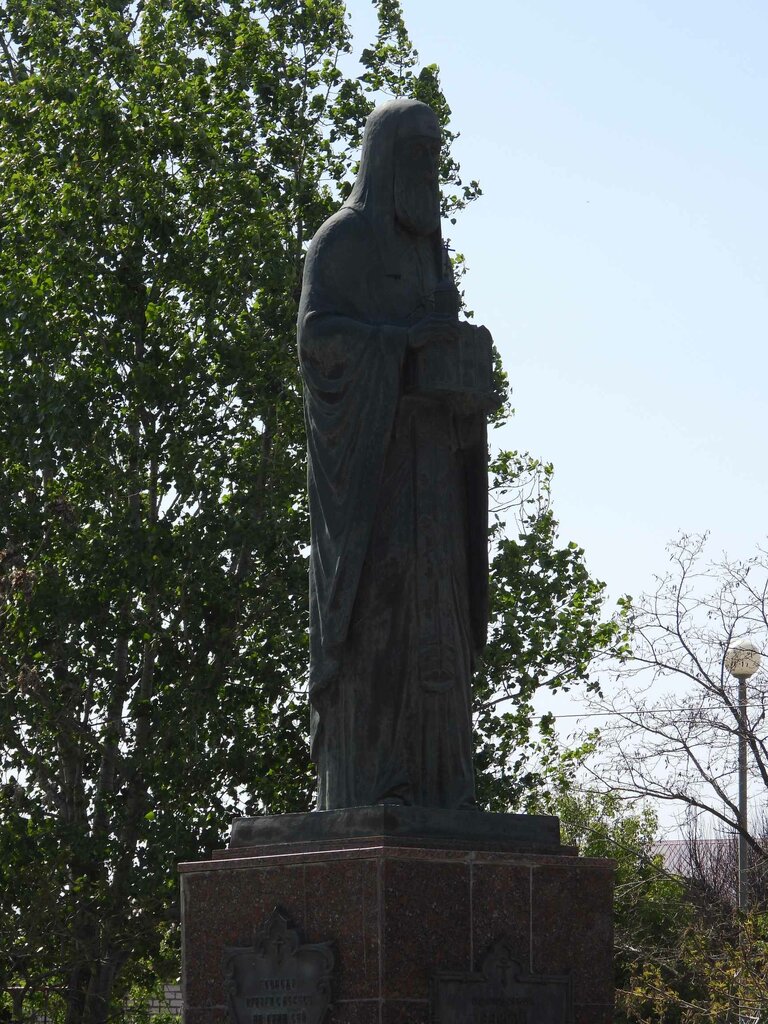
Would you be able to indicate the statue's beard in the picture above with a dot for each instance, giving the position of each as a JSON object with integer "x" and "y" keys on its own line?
{"x": 417, "y": 207}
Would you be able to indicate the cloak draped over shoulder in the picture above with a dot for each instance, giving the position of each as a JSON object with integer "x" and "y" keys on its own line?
{"x": 398, "y": 506}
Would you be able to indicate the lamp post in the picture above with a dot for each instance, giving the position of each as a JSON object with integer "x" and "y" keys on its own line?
{"x": 742, "y": 661}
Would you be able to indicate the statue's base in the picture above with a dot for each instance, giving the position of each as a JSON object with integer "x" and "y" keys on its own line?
{"x": 428, "y": 826}
{"x": 411, "y": 921}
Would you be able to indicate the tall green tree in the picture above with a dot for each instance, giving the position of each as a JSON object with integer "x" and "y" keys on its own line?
{"x": 162, "y": 167}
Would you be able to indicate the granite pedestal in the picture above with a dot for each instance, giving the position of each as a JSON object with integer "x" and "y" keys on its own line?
{"x": 410, "y": 919}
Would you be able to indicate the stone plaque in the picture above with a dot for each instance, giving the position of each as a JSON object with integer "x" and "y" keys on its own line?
{"x": 501, "y": 993}
{"x": 278, "y": 980}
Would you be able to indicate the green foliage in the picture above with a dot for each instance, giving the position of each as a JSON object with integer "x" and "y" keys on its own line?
{"x": 546, "y": 631}
{"x": 683, "y": 954}
{"x": 146, "y": 1002}
{"x": 714, "y": 971}
{"x": 162, "y": 167}
{"x": 649, "y": 902}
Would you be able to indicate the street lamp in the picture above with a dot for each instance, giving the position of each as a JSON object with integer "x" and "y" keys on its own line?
{"x": 742, "y": 661}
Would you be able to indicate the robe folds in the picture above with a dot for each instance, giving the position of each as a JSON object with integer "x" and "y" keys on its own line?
{"x": 398, "y": 506}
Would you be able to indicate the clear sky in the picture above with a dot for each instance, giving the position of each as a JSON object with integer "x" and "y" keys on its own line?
{"x": 619, "y": 254}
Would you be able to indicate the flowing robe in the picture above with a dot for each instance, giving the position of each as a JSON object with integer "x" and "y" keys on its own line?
{"x": 398, "y": 506}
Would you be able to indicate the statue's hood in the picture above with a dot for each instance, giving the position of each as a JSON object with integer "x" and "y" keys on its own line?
{"x": 373, "y": 194}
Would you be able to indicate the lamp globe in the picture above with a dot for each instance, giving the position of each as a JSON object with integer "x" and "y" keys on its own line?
{"x": 742, "y": 659}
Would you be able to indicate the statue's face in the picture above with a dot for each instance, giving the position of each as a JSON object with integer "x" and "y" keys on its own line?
{"x": 417, "y": 193}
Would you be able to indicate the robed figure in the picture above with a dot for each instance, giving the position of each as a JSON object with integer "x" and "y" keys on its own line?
{"x": 397, "y": 475}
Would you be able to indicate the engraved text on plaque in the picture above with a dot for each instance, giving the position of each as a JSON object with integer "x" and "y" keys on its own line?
{"x": 278, "y": 980}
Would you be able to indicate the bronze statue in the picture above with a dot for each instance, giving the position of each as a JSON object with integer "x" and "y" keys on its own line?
{"x": 396, "y": 396}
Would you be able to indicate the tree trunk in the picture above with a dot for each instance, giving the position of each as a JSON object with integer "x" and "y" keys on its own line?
{"x": 99, "y": 995}
{"x": 79, "y": 979}
{"x": 17, "y": 998}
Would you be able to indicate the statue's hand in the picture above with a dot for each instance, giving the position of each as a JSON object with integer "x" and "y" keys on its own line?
{"x": 433, "y": 329}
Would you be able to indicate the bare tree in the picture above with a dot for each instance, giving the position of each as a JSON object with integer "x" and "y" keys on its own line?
{"x": 673, "y": 714}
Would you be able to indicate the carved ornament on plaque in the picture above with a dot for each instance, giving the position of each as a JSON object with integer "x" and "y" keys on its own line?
{"x": 279, "y": 979}
{"x": 501, "y": 993}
